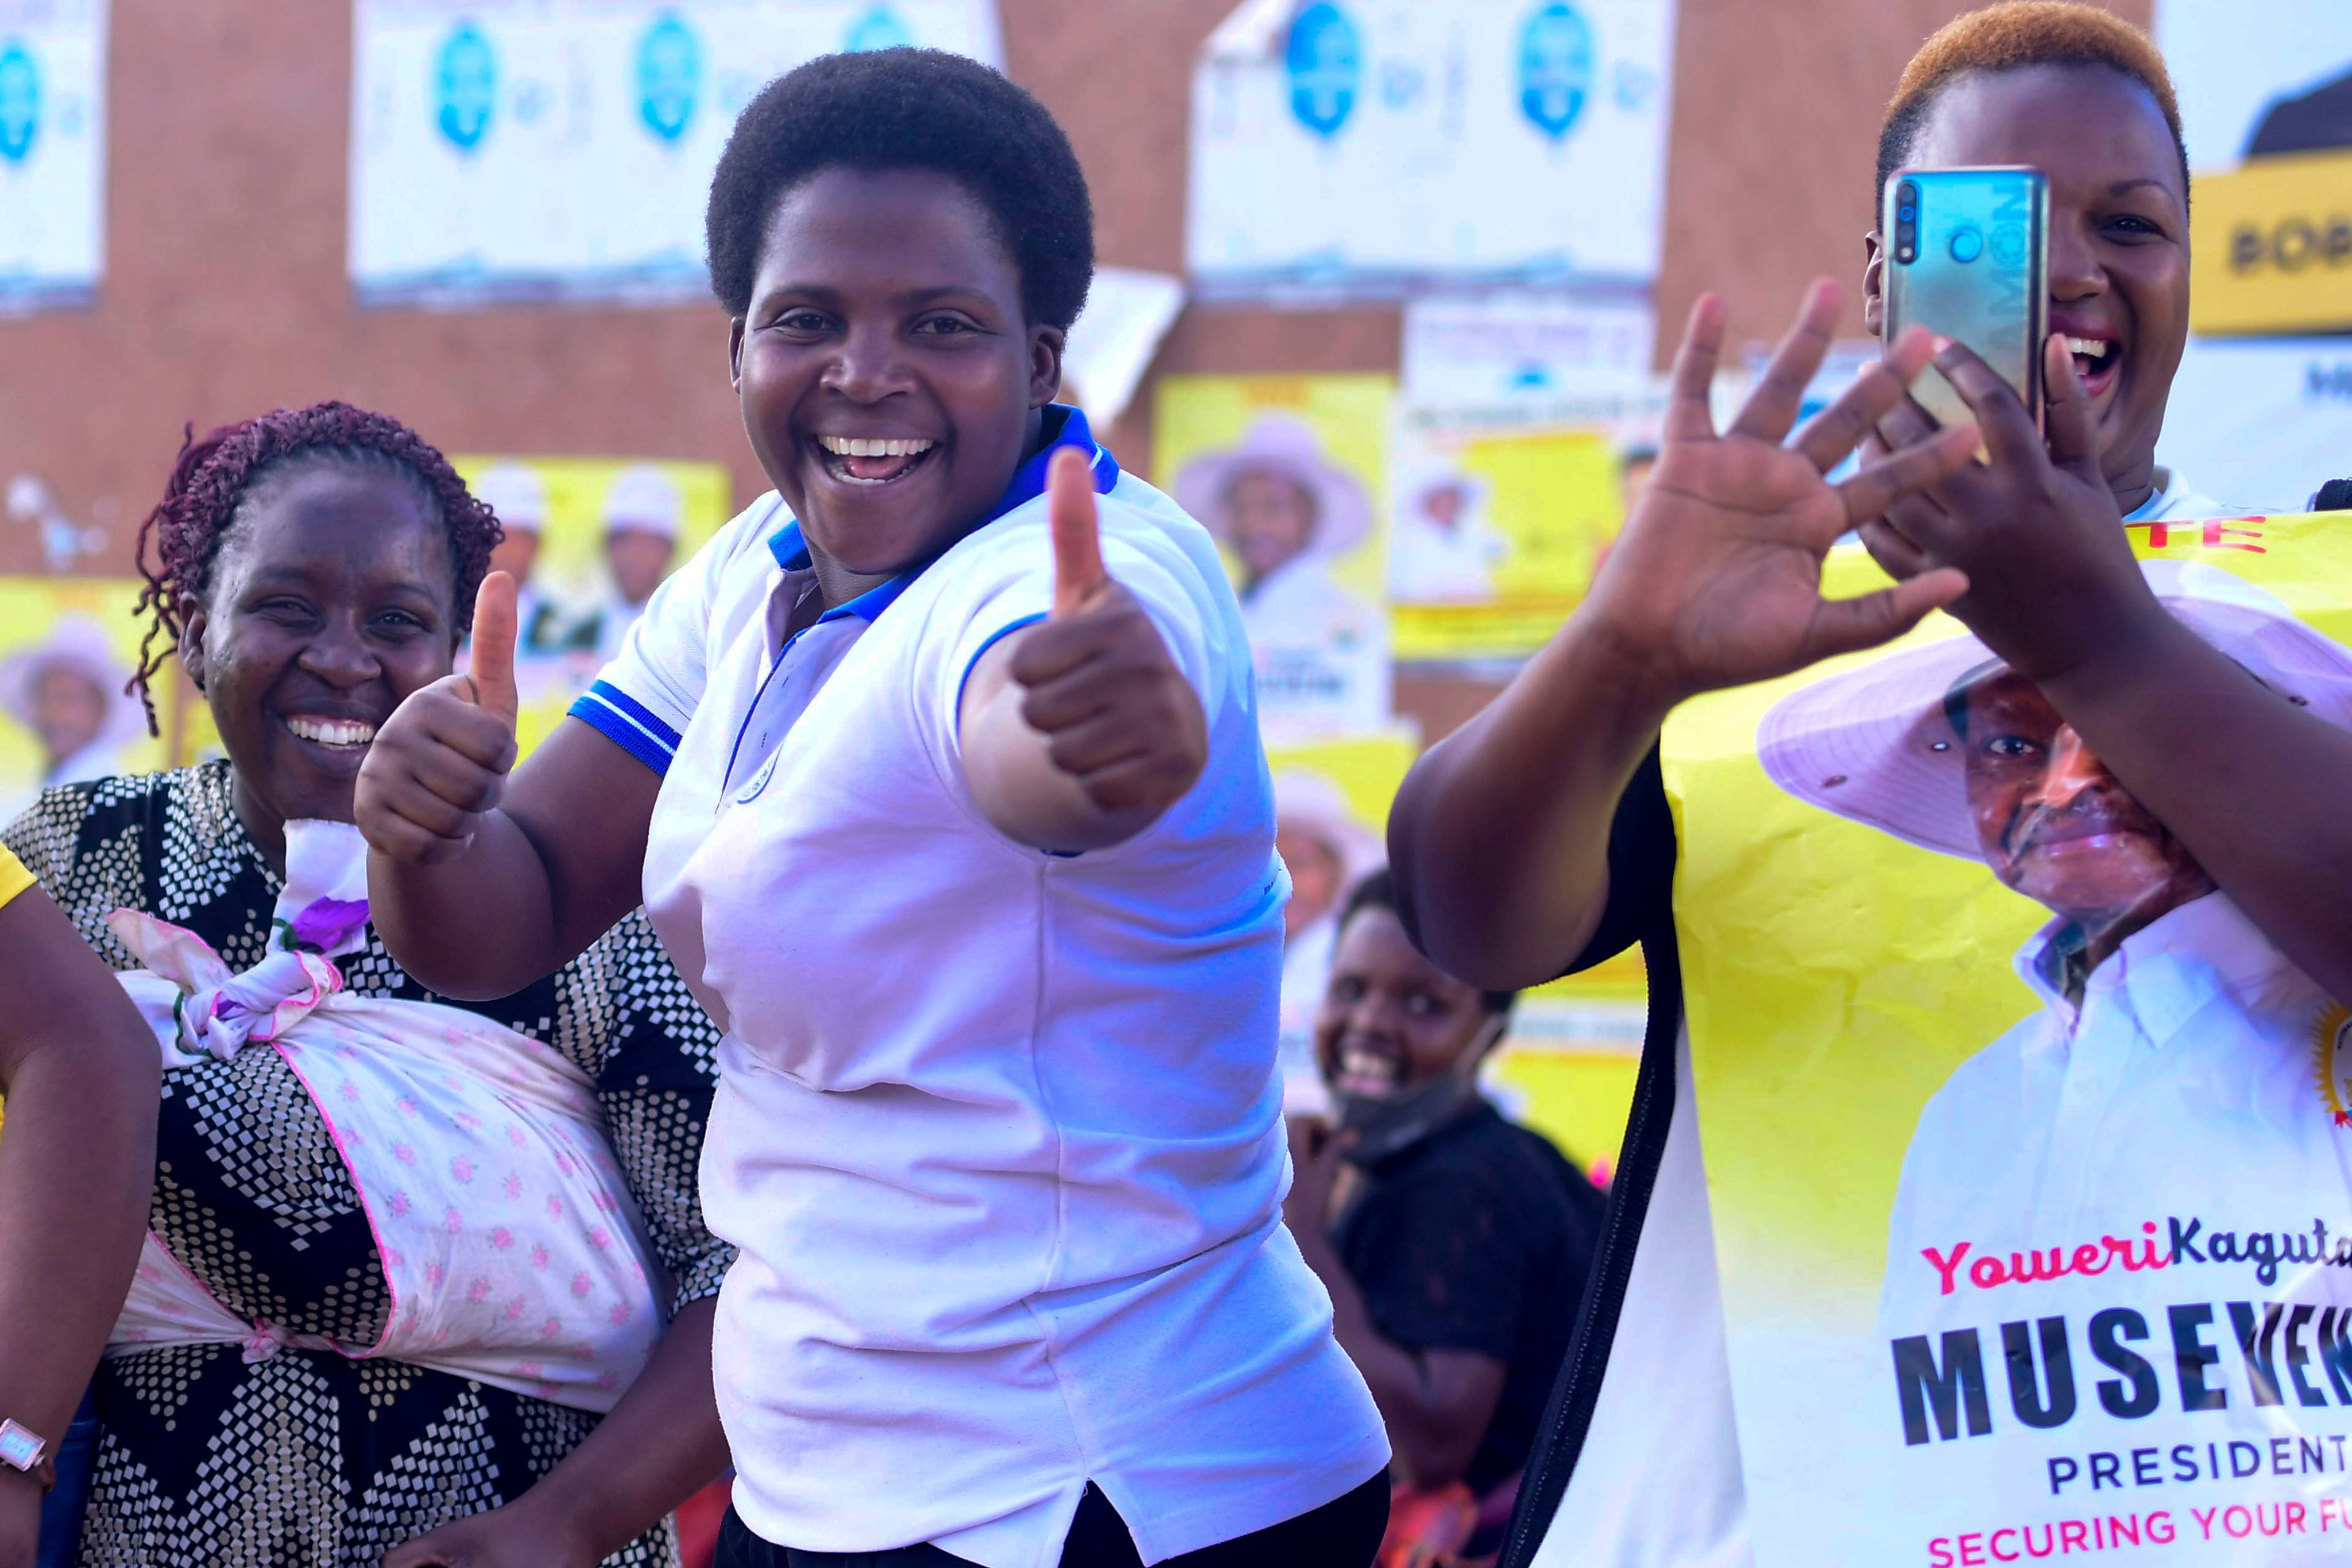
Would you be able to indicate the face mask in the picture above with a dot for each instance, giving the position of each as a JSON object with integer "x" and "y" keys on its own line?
{"x": 1389, "y": 1125}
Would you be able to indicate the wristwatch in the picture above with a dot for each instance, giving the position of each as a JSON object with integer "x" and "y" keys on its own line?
{"x": 25, "y": 1449}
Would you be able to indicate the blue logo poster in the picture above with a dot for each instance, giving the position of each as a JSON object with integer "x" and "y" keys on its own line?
{"x": 1555, "y": 67}
{"x": 1325, "y": 58}
{"x": 670, "y": 76}
{"x": 466, "y": 86}
{"x": 879, "y": 28}
{"x": 20, "y": 102}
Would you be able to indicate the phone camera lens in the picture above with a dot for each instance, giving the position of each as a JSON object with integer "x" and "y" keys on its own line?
{"x": 1905, "y": 213}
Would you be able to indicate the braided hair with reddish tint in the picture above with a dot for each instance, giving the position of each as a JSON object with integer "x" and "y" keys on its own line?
{"x": 217, "y": 475}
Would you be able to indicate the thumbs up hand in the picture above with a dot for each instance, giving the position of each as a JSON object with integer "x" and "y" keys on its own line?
{"x": 441, "y": 759}
{"x": 1084, "y": 731}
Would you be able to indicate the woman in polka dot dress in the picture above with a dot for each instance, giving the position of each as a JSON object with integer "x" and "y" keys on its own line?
{"x": 315, "y": 567}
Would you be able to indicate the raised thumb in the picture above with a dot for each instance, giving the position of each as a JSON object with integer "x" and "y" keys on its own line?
{"x": 1077, "y": 525}
{"x": 492, "y": 668}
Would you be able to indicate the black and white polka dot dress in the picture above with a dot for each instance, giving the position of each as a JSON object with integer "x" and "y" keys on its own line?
{"x": 307, "y": 1459}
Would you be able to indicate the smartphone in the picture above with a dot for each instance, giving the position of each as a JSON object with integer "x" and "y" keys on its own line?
{"x": 1967, "y": 257}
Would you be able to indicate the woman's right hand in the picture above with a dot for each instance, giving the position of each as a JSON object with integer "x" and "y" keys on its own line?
{"x": 1716, "y": 580}
{"x": 441, "y": 759}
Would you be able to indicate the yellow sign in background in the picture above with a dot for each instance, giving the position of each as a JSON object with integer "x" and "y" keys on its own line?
{"x": 2271, "y": 250}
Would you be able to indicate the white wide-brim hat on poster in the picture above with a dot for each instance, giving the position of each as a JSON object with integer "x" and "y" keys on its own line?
{"x": 1279, "y": 444}
{"x": 1876, "y": 744}
{"x": 1311, "y": 801}
{"x": 516, "y": 494}
{"x": 80, "y": 645}
{"x": 645, "y": 498}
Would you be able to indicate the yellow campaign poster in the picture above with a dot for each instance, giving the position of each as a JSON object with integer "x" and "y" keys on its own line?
{"x": 68, "y": 645}
{"x": 1290, "y": 475}
{"x": 1496, "y": 533}
{"x": 1568, "y": 1065}
{"x": 588, "y": 540}
{"x": 2030, "y": 1157}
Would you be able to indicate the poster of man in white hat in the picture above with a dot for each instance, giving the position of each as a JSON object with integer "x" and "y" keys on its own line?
{"x": 2125, "y": 1225}
{"x": 68, "y": 690}
{"x": 644, "y": 511}
{"x": 1286, "y": 512}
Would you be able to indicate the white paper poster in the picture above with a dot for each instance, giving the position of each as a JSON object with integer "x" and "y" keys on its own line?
{"x": 537, "y": 150}
{"x": 1375, "y": 146}
{"x": 52, "y": 152}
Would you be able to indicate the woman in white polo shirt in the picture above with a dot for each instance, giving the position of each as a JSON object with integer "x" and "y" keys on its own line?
{"x": 963, "y": 831}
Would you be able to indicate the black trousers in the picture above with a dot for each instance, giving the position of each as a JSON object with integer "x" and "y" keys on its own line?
{"x": 1343, "y": 1533}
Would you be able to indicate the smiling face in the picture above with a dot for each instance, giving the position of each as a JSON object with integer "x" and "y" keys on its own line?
{"x": 1270, "y": 518}
{"x": 69, "y": 711}
{"x": 1391, "y": 1018}
{"x": 639, "y": 558}
{"x": 2056, "y": 826}
{"x": 889, "y": 380}
{"x": 2118, "y": 233}
{"x": 331, "y": 600}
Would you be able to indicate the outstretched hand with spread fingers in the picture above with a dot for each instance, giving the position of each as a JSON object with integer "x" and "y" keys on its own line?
{"x": 1715, "y": 580}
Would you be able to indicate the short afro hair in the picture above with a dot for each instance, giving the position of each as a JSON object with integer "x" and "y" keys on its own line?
{"x": 1377, "y": 890}
{"x": 2011, "y": 37}
{"x": 909, "y": 108}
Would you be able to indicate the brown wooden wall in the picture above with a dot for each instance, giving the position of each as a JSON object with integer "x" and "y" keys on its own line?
{"x": 226, "y": 294}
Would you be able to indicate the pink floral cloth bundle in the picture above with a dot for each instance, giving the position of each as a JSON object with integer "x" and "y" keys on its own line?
{"x": 512, "y": 1249}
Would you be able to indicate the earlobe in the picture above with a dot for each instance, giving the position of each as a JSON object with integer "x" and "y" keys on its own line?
{"x": 1046, "y": 346}
{"x": 192, "y": 648}
{"x": 1873, "y": 281}
{"x": 735, "y": 353}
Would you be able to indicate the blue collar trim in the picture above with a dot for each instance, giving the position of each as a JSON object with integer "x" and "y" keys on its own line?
{"x": 1028, "y": 482}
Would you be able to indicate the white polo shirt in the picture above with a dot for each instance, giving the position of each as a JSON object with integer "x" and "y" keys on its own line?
{"x": 998, "y": 1133}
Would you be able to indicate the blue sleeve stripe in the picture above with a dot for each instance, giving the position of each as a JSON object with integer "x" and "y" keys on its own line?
{"x": 999, "y": 635}
{"x": 622, "y": 731}
{"x": 644, "y": 715}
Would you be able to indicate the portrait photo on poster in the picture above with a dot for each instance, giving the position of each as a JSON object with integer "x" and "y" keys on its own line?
{"x": 2030, "y": 1155}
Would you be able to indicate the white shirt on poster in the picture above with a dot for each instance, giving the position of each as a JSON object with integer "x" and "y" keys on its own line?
{"x": 1321, "y": 654}
{"x": 998, "y": 1133}
{"x": 2190, "y": 1083}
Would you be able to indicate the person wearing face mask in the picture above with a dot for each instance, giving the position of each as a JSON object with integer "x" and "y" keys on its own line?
{"x": 1456, "y": 1262}
{"x": 305, "y": 1376}
{"x": 2097, "y": 1110}
{"x": 1539, "y": 837}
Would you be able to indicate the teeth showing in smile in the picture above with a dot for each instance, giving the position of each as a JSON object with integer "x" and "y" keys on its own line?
{"x": 2091, "y": 348}
{"x": 332, "y": 731}
{"x": 861, "y": 446}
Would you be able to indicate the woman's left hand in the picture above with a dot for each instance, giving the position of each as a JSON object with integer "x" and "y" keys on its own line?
{"x": 2051, "y": 581}
{"x": 508, "y": 1537}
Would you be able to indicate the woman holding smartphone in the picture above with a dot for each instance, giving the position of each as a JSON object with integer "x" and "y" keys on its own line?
{"x": 1538, "y": 838}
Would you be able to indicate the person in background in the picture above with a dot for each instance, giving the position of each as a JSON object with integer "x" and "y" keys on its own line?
{"x": 77, "y": 1071}
{"x": 313, "y": 568}
{"x": 1538, "y": 837}
{"x": 1327, "y": 851}
{"x": 68, "y": 691}
{"x": 516, "y": 496}
{"x": 643, "y": 514}
{"x": 1460, "y": 1247}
